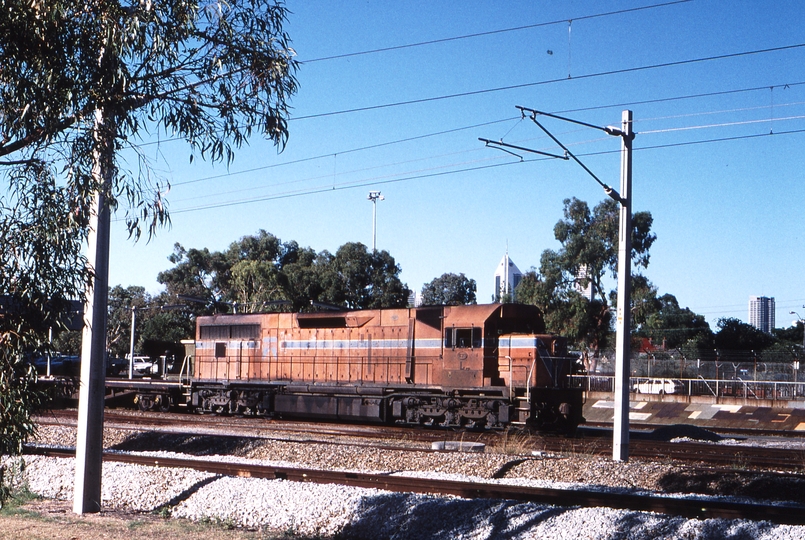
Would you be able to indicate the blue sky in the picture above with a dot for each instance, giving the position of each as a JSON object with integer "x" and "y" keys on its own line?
{"x": 717, "y": 89}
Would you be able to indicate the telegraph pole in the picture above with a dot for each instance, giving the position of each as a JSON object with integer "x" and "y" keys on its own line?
{"x": 89, "y": 443}
{"x": 131, "y": 342}
{"x": 620, "y": 432}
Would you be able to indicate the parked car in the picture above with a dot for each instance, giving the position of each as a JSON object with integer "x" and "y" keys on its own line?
{"x": 70, "y": 365}
{"x": 657, "y": 386}
{"x": 59, "y": 364}
{"x": 144, "y": 366}
{"x": 116, "y": 367}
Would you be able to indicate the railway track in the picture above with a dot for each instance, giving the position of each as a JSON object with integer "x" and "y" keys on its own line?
{"x": 701, "y": 508}
{"x": 732, "y": 431}
{"x": 405, "y": 438}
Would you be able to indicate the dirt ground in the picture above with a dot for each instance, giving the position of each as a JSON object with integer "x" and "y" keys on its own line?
{"x": 55, "y": 520}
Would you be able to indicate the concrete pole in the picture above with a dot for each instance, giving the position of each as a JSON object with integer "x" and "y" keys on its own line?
{"x": 620, "y": 432}
{"x": 89, "y": 444}
{"x": 131, "y": 343}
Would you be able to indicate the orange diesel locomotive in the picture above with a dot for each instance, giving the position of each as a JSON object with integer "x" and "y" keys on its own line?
{"x": 464, "y": 366}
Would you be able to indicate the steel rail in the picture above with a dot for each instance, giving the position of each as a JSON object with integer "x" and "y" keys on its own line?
{"x": 698, "y": 508}
{"x": 696, "y": 452}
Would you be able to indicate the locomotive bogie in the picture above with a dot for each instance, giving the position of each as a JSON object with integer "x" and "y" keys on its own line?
{"x": 153, "y": 402}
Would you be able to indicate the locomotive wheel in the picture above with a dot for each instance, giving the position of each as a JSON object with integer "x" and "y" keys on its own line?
{"x": 144, "y": 402}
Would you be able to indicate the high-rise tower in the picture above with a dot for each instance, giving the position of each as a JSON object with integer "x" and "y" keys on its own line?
{"x": 507, "y": 276}
{"x": 761, "y": 313}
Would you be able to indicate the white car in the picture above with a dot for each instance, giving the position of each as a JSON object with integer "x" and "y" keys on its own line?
{"x": 657, "y": 386}
{"x": 144, "y": 366}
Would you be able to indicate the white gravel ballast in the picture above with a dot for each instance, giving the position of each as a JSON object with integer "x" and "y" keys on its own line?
{"x": 316, "y": 510}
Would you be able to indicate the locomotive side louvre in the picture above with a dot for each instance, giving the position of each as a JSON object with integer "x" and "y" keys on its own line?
{"x": 227, "y": 350}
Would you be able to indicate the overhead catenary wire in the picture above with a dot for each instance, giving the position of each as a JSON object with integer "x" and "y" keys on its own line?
{"x": 679, "y": 98}
{"x": 621, "y": 71}
{"x": 371, "y": 182}
{"x": 229, "y": 174}
{"x": 383, "y": 179}
{"x": 625, "y": 70}
{"x": 491, "y": 32}
{"x": 350, "y": 151}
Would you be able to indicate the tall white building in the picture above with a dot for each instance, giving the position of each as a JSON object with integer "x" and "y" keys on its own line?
{"x": 761, "y": 313}
{"x": 507, "y": 276}
{"x": 586, "y": 292}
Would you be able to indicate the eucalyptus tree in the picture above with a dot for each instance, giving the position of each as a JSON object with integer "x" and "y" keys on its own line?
{"x": 259, "y": 270}
{"x": 359, "y": 279}
{"x": 449, "y": 290}
{"x": 588, "y": 253}
{"x": 590, "y": 246}
{"x": 40, "y": 269}
{"x": 83, "y": 85}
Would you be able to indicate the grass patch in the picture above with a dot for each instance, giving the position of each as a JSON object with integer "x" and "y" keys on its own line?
{"x": 16, "y": 490}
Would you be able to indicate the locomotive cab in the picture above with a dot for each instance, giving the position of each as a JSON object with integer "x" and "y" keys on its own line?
{"x": 536, "y": 369}
{"x": 463, "y": 357}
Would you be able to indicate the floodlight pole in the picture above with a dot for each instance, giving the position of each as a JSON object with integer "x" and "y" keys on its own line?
{"x": 374, "y": 196}
{"x": 620, "y": 432}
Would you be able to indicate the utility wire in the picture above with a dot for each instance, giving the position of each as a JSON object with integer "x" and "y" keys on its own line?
{"x": 519, "y": 119}
{"x": 370, "y": 182}
{"x": 621, "y": 71}
{"x": 352, "y": 150}
{"x": 489, "y": 33}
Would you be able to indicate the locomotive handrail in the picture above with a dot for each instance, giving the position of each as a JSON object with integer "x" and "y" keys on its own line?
{"x": 528, "y": 382}
{"x": 185, "y": 363}
{"x": 511, "y": 378}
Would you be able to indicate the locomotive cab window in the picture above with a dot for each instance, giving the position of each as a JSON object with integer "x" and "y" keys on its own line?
{"x": 462, "y": 338}
{"x": 220, "y": 350}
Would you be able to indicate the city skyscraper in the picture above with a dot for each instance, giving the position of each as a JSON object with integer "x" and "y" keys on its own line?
{"x": 507, "y": 276}
{"x": 761, "y": 313}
